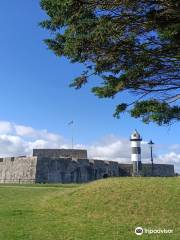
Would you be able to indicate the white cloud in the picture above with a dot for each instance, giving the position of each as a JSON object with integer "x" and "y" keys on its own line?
{"x": 118, "y": 149}
{"x": 20, "y": 140}
{"x": 24, "y": 131}
{"x": 12, "y": 145}
{"x": 5, "y": 127}
{"x": 172, "y": 158}
{"x": 115, "y": 149}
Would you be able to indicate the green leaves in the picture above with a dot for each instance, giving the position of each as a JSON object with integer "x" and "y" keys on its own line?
{"x": 119, "y": 109}
{"x": 155, "y": 111}
{"x": 133, "y": 46}
{"x": 79, "y": 82}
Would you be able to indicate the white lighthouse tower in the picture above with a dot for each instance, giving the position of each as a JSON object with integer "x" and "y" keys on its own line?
{"x": 136, "y": 152}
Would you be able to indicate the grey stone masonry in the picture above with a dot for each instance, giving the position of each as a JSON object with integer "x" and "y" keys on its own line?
{"x": 161, "y": 170}
{"x": 54, "y": 170}
{"x": 56, "y": 166}
{"x": 18, "y": 169}
{"x": 60, "y": 153}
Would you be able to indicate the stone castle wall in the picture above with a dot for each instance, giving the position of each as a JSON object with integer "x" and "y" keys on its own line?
{"x": 45, "y": 169}
{"x": 18, "y": 169}
{"x": 55, "y": 170}
{"x": 60, "y": 153}
{"x": 161, "y": 170}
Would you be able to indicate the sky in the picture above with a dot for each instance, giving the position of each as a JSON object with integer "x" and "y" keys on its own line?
{"x": 36, "y": 102}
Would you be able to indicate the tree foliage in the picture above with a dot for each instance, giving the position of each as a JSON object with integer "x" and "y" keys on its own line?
{"x": 133, "y": 45}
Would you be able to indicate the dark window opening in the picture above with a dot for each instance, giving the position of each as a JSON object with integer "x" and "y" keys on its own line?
{"x": 105, "y": 175}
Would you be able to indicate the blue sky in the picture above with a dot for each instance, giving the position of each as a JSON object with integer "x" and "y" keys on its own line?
{"x": 34, "y": 86}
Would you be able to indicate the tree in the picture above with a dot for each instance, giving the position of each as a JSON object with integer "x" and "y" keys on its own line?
{"x": 132, "y": 45}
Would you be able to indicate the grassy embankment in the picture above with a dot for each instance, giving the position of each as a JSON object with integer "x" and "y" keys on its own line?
{"x": 103, "y": 210}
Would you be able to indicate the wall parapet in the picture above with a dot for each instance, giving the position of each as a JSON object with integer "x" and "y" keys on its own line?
{"x": 41, "y": 169}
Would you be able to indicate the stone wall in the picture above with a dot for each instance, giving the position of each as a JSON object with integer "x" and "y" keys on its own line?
{"x": 59, "y": 153}
{"x": 18, "y": 169}
{"x": 161, "y": 170}
{"x": 53, "y": 170}
{"x": 125, "y": 169}
{"x": 67, "y": 170}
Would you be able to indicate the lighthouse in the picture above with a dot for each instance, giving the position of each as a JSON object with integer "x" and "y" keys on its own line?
{"x": 136, "y": 152}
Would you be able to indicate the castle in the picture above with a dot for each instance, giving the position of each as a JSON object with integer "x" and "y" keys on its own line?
{"x": 73, "y": 166}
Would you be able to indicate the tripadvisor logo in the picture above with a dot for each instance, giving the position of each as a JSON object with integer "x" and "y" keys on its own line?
{"x": 139, "y": 231}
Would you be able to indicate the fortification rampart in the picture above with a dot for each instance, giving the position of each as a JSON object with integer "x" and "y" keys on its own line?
{"x": 60, "y": 153}
{"x": 68, "y": 170}
{"x": 161, "y": 170}
{"x": 18, "y": 169}
{"x": 41, "y": 169}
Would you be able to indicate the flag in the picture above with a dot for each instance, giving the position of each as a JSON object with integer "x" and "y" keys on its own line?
{"x": 71, "y": 122}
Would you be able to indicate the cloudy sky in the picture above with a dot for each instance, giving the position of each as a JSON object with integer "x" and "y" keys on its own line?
{"x": 36, "y": 102}
{"x": 18, "y": 140}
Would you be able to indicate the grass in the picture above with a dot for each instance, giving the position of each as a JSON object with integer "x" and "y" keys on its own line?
{"x": 108, "y": 209}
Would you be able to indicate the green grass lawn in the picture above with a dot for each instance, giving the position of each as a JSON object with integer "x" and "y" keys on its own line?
{"x": 108, "y": 209}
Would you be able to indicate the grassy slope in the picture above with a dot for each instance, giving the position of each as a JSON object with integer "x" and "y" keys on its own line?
{"x": 103, "y": 210}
